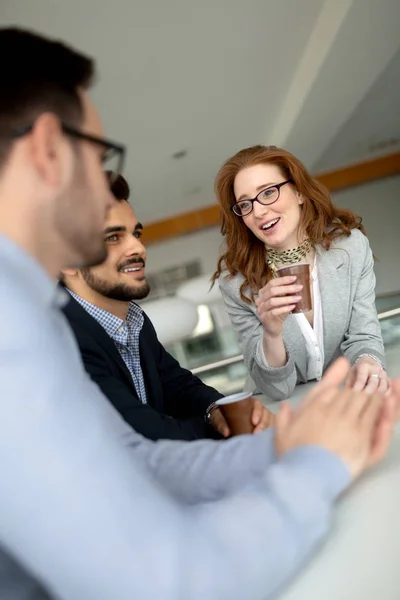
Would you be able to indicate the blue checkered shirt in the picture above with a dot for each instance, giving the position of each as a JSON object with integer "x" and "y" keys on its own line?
{"x": 125, "y": 335}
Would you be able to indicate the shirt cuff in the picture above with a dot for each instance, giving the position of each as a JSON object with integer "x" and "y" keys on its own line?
{"x": 321, "y": 468}
{"x": 262, "y": 361}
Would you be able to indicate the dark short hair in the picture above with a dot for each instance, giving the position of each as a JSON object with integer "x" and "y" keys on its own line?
{"x": 119, "y": 186}
{"x": 40, "y": 75}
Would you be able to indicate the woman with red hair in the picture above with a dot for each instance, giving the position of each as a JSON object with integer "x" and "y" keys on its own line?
{"x": 275, "y": 213}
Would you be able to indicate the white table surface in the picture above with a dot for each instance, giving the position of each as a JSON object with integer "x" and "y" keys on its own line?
{"x": 360, "y": 559}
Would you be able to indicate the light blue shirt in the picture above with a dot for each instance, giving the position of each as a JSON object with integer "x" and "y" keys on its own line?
{"x": 94, "y": 511}
{"x": 125, "y": 335}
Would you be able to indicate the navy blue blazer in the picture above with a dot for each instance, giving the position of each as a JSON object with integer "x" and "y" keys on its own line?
{"x": 176, "y": 399}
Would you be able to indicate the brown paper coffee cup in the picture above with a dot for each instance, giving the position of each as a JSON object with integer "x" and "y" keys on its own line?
{"x": 302, "y": 272}
{"x": 237, "y": 410}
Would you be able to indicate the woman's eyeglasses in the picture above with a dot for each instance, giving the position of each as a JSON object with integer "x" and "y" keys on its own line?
{"x": 265, "y": 197}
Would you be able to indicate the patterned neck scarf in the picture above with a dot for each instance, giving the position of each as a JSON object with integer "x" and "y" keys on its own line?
{"x": 287, "y": 257}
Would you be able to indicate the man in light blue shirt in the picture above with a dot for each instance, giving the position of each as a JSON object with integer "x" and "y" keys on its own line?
{"x": 90, "y": 510}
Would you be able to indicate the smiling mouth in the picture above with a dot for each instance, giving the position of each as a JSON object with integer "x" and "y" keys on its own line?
{"x": 270, "y": 225}
{"x": 132, "y": 269}
{"x": 137, "y": 267}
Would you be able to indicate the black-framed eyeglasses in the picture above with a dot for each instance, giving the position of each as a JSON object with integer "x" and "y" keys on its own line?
{"x": 114, "y": 154}
{"x": 265, "y": 197}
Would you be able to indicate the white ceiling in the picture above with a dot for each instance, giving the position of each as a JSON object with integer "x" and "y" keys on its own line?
{"x": 373, "y": 128}
{"x": 214, "y": 76}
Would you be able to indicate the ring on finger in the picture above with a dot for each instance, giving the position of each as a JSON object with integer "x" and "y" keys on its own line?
{"x": 375, "y": 375}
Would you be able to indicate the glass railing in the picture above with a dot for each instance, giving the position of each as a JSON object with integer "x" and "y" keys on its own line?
{"x": 216, "y": 358}
{"x": 387, "y": 302}
{"x": 229, "y": 375}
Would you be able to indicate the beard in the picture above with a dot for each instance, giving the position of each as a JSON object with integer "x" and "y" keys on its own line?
{"x": 122, "y": 292}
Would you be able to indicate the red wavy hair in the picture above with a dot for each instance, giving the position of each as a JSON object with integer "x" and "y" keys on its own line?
{"x": 244, "y": 253}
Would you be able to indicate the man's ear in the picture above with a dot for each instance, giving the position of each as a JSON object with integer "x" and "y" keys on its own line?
{"x": 73, "y": 273}
{"x": 49, "y": 150}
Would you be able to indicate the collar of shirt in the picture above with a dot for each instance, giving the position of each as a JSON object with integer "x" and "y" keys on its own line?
{"x": 30, "y": 273}
{"x": 314, "y": 272}
{"x": 118, "y": 329}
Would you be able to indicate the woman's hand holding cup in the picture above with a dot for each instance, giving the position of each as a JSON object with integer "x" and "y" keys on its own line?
{"x": 275, "y": 301}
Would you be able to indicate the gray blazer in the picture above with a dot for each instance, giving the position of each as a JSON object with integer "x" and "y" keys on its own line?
{"x": 351, "y": 327}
